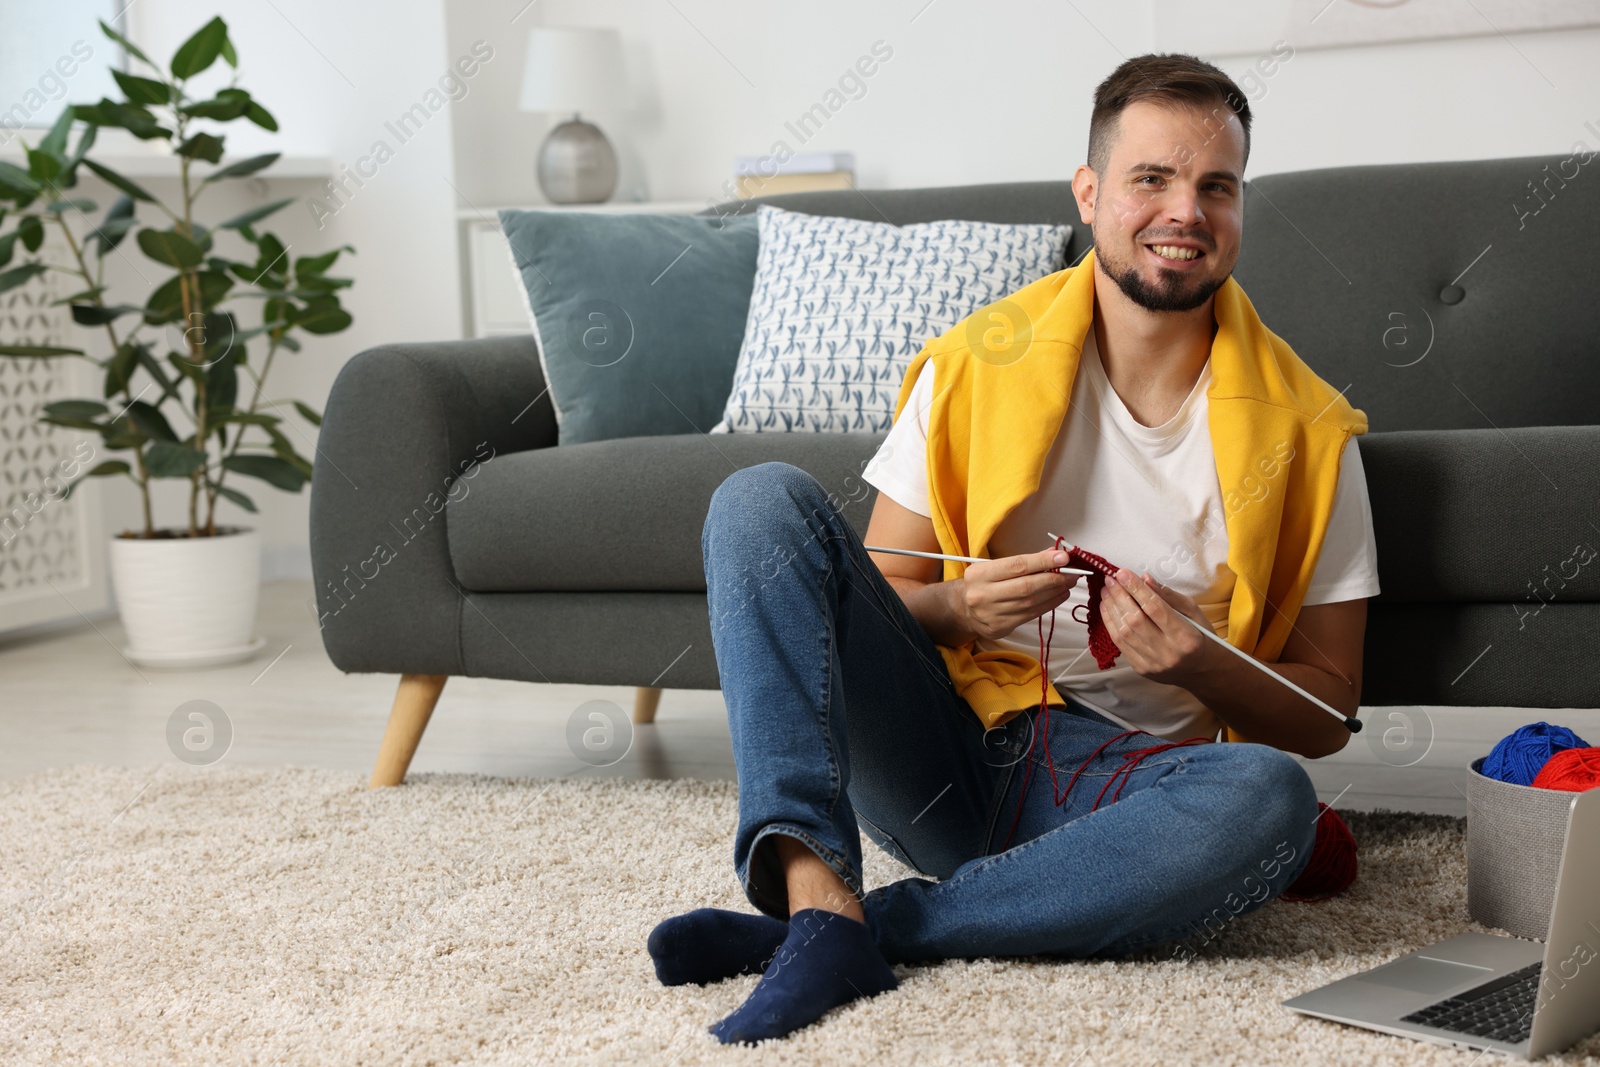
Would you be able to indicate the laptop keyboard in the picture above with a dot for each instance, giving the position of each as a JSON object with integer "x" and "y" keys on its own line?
{"x": 1501, "y": 1010}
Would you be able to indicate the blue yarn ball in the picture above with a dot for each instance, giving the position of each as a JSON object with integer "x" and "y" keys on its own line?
{"x": 1523, "y": 752}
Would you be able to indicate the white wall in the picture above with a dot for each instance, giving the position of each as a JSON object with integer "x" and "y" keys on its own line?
{"x": 971, "y": 94}
{"x": 1002, "y": 92}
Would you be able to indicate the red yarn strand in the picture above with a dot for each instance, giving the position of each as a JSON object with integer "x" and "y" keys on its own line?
{"x": 1332, "y": 867}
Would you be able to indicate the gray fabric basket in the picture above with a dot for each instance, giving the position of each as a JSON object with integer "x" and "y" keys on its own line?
{"x": 1514, "y": 838}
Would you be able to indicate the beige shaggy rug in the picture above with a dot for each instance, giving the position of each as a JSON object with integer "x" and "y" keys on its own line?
{"x": 233, "y": 916}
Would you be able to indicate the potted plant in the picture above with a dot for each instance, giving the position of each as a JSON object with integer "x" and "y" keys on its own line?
{"x": 183, "y": 373}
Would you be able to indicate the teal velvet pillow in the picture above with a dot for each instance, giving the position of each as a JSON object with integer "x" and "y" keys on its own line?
{"x": 638, "y": 318}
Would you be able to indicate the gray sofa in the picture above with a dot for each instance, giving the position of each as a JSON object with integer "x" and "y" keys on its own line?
{"x": 1455, "y": 302}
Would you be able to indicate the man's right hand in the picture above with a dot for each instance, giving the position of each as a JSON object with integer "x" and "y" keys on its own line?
{"x": 998, "y": 595}
{"x": 990, "y": 600}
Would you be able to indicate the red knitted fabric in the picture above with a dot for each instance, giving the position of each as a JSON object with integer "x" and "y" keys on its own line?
{"x": 1104, "y": 650}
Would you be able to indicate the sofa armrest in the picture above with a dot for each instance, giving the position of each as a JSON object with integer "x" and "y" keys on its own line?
{"x": 403, "y": 423}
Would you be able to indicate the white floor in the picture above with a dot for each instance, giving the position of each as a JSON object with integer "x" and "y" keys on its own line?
{"x": 70, "y": 697}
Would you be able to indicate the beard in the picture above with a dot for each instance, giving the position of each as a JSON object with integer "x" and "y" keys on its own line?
{"x": 1173, "y": 291}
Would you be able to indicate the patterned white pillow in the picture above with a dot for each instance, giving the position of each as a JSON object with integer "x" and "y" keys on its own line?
{"x": 840, "y": 307}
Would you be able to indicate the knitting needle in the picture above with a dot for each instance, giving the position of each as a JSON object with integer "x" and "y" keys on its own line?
{"x": 1351, "y": 722}
{"x": 959, "y": 559}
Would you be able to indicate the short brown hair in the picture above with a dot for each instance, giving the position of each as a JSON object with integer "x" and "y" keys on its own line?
{"x": 1169, "y": 78}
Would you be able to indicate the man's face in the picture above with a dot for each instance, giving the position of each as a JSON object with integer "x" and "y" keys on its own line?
{"x": 1173, "y": 188}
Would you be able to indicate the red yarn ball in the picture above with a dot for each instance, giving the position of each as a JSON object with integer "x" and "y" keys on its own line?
{"x": 1332, "y": 867}
{"x": 1572, "y": 769}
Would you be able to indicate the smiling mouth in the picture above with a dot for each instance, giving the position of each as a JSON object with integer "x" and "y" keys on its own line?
{"x": 1176, "y": 253}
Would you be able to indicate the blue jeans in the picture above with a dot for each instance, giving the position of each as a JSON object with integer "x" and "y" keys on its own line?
{"x": 845, "y": 721}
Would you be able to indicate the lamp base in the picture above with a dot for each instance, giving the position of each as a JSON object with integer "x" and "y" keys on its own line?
{"x": 577, "y": 165}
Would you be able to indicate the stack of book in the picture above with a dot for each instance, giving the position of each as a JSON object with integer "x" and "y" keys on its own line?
{"x": 804, "y": 173}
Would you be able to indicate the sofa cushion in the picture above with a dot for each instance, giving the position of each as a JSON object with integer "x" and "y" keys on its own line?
{"x": 1486, "y": 516}
{"x": 637, "y": 317}
{"x": 1432, "y": 290}
{"x": 840, "y": 306}
{"x": 626, "y": 514}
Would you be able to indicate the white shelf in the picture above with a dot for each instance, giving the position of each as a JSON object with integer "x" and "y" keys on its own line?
{"x": 165, "y": 165}
{"x": 610, "y": 207}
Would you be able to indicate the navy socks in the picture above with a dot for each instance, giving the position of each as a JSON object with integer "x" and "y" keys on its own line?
{"x": 709, "y": 944}
{"x": 825, "y": 961}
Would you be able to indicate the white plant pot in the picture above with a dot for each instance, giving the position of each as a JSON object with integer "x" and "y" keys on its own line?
{"x": 188, "y": 601}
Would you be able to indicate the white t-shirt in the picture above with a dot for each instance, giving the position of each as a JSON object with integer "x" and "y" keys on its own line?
{"x": 1147, "y": 498}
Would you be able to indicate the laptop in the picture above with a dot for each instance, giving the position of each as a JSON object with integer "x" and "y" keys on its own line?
{"x": 1494, "y": 991}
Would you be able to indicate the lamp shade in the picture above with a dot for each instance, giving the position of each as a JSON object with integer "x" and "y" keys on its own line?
{"x": 572, "y": 69}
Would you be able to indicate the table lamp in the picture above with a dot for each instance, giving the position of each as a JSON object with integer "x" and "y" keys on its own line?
{"x": 571, "y": 70}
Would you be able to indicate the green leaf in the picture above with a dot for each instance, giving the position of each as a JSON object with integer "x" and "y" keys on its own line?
{"x": 18, "y": 184}
{"x": 166, "y": 303}
{"x": 309, "y": 414}
{"x": 61, "y": 207}
{"x": 31, "y": 230}
{"x": 274, "y": 470}
{"x": 55, "y": 142}
{"x": 85, "y": 140}
{"x": 119, "y": 369}
{"x": 164, "y": 459}
{"x": 143, "y": 91}
{"x": 201, "y": 50}
{"x": 249, "y": 418}
{"x": 111, "y": 177}
{"x": 117, "y": 436}
{"x": 99, "y": 315}
{"x": 16, "y": 276}
{"x": 131, "y": 117}
{"x": 201, "y": 146}
{"x": 171, "y": 248}
{"x": 149, "y": 421}
{"x": 254, "y": 215}
{"x": 76, "y": 409}
{"x": 153, "y": 367}
{"x": 313, "y": 266}
{"x": 38, "y": 351}
{"x": 127, "y": 45}
{"x": 322, "y": 315}
{"x": 237, "y": 497}
{"x": 43, "y": 166}
{"x": 222, "y": 384}
{"x": 71, "y": 424}
{"x": 261, "y": 117}
{"x": 110, "y": 466}
{"x": 272, "y": 261}
{"x": 285, "y": 450}
{"x": 227, "y": 105}
{"x": 221, "y": 340}
{"x": 118, "y": 221}
{"x": 183, "y": 366}
{"x": 232, "y": 59}
{"x": 8, "y": 246}
{"x": 244, "y": 167}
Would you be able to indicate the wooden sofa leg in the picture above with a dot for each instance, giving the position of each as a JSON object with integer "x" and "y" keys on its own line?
{"x": 645, "y": 699}
{"x": 413, "y": 705}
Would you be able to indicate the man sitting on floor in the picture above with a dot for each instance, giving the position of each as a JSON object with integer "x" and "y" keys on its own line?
{"x": 1135, "y": 405}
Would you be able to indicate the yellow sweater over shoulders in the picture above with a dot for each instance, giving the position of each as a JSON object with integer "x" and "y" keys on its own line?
{"x": 1002, "y": 383}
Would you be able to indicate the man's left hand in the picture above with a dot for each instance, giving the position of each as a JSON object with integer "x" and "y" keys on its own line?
{"x": 1141, "y": 615}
